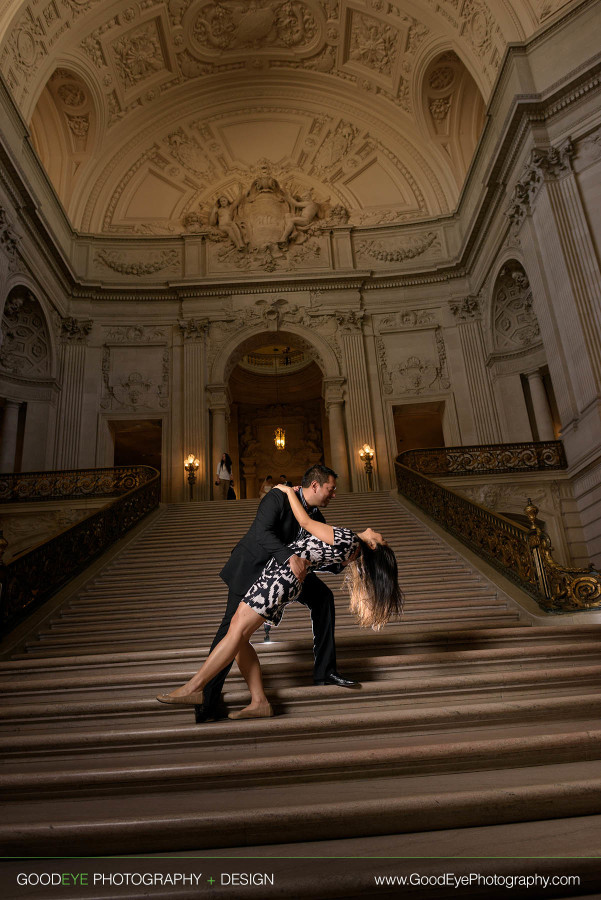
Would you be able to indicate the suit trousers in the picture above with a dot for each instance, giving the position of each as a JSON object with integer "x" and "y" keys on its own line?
{"x": 318, "y": 598}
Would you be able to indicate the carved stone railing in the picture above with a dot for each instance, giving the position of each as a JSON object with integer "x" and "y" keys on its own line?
{"x": 487, "y": 459}
{"x": 71, "y": 484}
{"x": 523, "y": 555}
{"x": 30, "y": 579}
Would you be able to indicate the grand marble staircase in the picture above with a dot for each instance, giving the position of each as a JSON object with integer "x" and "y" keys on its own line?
{"x": 473, "y": 729}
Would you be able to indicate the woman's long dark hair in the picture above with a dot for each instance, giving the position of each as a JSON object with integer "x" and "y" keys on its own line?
{"x": 373, "y": 584}
{"x": 228, "y": 462}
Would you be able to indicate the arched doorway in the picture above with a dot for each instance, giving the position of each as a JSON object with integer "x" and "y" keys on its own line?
{"x": 275, "y": 379}
{"x": 276, "y": 386}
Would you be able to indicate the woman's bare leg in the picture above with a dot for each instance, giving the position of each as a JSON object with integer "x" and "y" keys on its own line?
{"x": 250, "y": 667}
{"x": 243, "y": 625}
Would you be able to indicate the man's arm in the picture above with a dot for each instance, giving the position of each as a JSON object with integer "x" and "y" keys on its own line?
{"x": 268, "y": 517}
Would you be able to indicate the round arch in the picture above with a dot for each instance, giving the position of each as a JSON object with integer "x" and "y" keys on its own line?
{"x": 326, "y": 358}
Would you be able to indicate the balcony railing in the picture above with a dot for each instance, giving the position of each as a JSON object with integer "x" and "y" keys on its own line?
{"x": 524, "y": 555}
{"x": 487, "y": 459}
{"x": 30, "y": 579}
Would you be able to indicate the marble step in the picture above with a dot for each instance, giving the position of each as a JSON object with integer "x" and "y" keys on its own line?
{"x": 436, "y": 721}
{"x": 340, "y": 763}
{"x": 321, "y": 810}
{"x": 138, "y": 700}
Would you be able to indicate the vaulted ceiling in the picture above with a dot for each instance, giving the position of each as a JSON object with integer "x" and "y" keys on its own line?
{"x": 143, "y": 111}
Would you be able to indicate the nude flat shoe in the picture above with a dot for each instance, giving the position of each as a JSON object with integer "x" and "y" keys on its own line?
{"x": 194, "y": 699}
{"x": 261, "y": 712}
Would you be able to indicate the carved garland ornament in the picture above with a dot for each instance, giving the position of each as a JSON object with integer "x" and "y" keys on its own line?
{"x": 414, "y": 246}
{"x": 168, "y": 259}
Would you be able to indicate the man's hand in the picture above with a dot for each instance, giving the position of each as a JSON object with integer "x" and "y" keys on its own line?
{"x": 299, "y": 567}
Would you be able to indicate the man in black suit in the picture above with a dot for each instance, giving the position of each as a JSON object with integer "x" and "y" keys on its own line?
{"x": 273, "y": 529}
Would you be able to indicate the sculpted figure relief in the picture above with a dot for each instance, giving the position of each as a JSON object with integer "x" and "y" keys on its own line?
{"x": 265, "y": 218}
{"x": 222, "y": 218}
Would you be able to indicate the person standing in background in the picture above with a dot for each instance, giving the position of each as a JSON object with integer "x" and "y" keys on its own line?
{"x": 224, "y": 477}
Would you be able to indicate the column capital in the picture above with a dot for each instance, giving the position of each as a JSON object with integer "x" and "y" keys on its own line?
{"x": 194, "y": 329}
{"x": 219, "y": 397}
{"x": 466, "y": 310}
{"x": 75, "y": 331}
{"x": 333, "y": 391}
{"x": 545, "y": 165}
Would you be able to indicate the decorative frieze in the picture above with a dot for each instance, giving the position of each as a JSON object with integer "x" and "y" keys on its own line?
{"x": 406, "y": 320}
{"x": 395, "y": 250}
{"x": 136, "y": 334}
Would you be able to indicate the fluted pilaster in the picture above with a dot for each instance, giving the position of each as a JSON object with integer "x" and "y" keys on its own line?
{"x": 482, "y": 398}
{"x": 359, "y": 417}
{"x": 73, "y": 354}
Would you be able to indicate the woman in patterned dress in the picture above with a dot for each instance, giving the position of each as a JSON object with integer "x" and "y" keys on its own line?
{"x": 375, "y": 597}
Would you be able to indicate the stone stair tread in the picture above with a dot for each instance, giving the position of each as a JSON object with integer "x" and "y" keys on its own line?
{"x": 468, "y": 713}
{"x": 221, "y": 816}
{"x": 274, "y": 668}
{"x": 339, "y": 761}
{"x": 411, "y": 685}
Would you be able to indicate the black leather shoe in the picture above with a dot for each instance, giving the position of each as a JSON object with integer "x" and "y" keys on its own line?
{"x": 338, "y": 680}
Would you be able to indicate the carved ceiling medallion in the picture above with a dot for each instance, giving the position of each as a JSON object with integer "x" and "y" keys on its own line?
{"x": 230, "y": 29}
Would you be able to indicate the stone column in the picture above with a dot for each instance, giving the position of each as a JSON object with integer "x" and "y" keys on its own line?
{"x": 333, "y": 393}
{"x": 546, "y": 212}
{"x": 359, "y": 417}
{"x": 219, "y": 404}
{"x": 8, "y": 437}
{"x": 73, "y": 336}
{"x": 195, "y": 437}
{"x": 563, "y": 270}
{"x": 469, "y": 326}
{"x": 540, "y": 407}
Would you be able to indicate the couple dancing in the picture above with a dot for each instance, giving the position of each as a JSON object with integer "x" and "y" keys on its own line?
{"x": 273, "y": 565}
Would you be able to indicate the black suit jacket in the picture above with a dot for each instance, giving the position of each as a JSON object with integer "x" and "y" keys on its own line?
{"x": 273, "y": 529}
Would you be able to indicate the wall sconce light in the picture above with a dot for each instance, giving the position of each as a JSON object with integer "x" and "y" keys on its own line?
{"x": 367, "y": 454}
{"x": 191, "y": 465}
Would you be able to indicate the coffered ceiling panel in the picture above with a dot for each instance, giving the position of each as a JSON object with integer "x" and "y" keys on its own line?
{"x": 180, "y": 100}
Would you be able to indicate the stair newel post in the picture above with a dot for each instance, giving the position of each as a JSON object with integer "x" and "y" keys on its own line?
{"x": 536, "y": 539}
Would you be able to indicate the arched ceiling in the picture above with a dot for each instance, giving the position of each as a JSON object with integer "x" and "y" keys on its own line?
{"x": 144, "y": 111}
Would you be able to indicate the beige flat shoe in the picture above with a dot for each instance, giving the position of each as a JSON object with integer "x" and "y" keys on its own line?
{"x": 261, "y": 712}
{"x": 194, "y": 699}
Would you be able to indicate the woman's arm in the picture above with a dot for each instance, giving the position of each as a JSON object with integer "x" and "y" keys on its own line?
{"x": 319, "y": 530}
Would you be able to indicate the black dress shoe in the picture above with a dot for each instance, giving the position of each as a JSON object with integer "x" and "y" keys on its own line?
{"x": 338, "y": 680}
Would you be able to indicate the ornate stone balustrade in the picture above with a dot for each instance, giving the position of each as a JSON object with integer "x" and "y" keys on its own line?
{"x": 487, "y": 459}
{"x": 71, "y": 484}
{"x": 521, "y": 554}
{"x": 30, "y": 579}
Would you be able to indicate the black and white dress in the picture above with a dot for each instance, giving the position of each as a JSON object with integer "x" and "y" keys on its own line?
{"x": 277, "y": 585}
